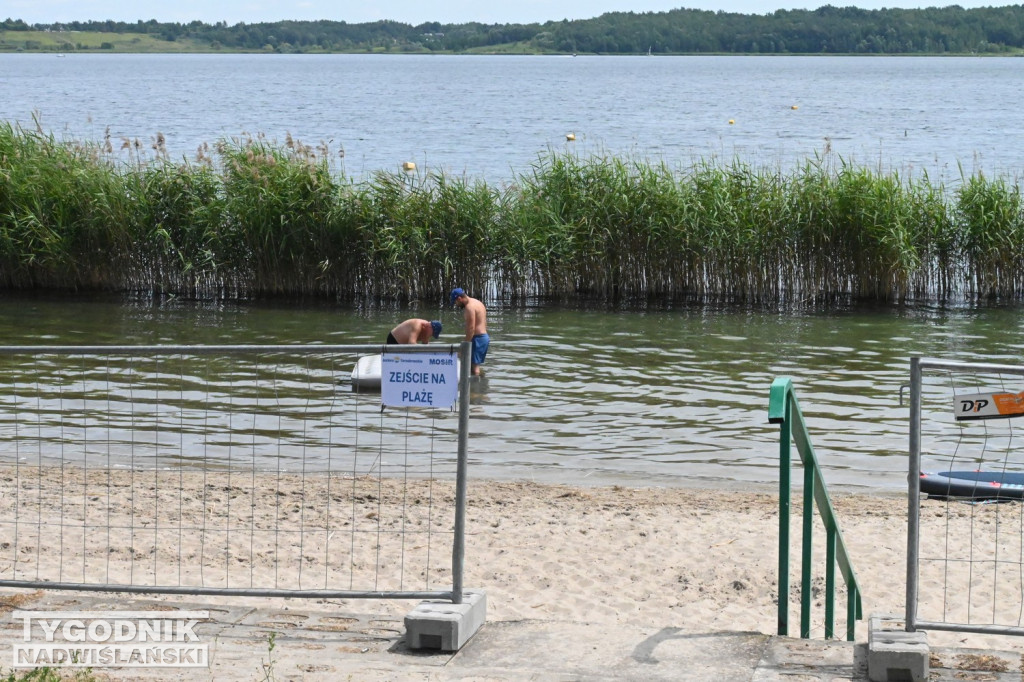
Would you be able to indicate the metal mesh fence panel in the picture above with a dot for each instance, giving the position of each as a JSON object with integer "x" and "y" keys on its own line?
{"x": 965, "y": 551}
{"x": 251, "y": 470}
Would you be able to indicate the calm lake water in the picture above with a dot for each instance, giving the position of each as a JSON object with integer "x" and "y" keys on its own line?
{"x": 639, "y": 397}
{"x": 490, "y": 117}
{"x": 656, "y": 396}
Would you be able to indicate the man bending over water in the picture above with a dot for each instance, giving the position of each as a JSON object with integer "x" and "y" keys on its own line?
{"x": 475, "y": 315}
{"x": 415, "y": 331}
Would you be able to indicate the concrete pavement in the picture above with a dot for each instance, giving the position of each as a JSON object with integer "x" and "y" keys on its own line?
{"x": 320, "y": 641}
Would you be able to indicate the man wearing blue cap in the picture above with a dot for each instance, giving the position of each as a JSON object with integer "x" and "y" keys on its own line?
{"x": 475, "y": 314}
{"x": 415, "y": 331}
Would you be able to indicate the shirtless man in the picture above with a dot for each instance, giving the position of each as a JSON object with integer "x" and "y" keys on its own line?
{"x": 475, "y": 315}
{"x": 415, "y": 331}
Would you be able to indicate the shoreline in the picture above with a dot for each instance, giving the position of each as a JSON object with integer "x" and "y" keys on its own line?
{"x": 700, "y": 560}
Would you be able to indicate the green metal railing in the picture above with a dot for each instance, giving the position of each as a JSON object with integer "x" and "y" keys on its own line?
{"x": 784, "y": 409}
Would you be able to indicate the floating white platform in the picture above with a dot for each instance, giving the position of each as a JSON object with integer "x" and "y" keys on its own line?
{"x": 366, "y": 373}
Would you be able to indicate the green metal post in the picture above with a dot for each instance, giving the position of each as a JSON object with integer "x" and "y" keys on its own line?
{"x": 830, "y": 582}
{"x": 780, "y": 411}
{"x": 805, "y": 572}
{"x": 784, "y": 508}
{"x": 852, "y": 611}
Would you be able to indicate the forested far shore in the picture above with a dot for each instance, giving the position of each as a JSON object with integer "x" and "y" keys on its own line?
{"x": 826, "y": 30}
{"x": 252, "y": 219}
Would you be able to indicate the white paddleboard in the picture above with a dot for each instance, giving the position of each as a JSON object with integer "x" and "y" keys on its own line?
{"x": 366, "y": 373}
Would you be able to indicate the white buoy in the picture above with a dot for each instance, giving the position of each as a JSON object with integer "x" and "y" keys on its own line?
{"x": 570, "y": 137}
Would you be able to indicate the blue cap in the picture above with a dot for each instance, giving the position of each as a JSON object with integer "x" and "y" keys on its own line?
{"x": 456, "y": 293}
{"x": 437, "y": 328}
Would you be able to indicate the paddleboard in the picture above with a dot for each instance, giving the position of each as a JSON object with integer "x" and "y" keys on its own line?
{"x": 366, "y": 373}
{"x": 975, "y": 485}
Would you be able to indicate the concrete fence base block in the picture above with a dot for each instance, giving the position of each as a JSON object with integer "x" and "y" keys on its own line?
{"x": 895, "y": 655}
{"x": 442, "y": 625}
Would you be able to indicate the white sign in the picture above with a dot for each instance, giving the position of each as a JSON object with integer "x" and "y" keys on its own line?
{"x": 419, "y": 379}
{"x": 110, "y": 639}
{"x": 988, "y": 405}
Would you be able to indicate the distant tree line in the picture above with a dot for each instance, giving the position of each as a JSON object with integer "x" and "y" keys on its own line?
{"x": 827, "y": 30}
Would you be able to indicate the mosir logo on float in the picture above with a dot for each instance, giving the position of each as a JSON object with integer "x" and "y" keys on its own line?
{"x": 419, "y": 380}
{"x": 110, "y": 639}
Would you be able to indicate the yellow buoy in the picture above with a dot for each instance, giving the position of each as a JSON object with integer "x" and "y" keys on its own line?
{"x": 408, "y": 166}
{"x": 731, "y": 121}
{"x": 570, "y": 137}
{"x": 794, "y": 107}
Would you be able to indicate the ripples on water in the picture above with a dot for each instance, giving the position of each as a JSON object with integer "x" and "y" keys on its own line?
{"x": 659, "y": 397}
{"x": 641, "y": 396}
{"x": 454, "y": 113}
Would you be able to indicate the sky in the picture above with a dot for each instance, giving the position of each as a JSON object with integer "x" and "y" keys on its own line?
{"x": 407, "y": 11}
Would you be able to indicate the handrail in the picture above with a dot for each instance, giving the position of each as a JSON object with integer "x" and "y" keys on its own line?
{"x": 784, "y": 409}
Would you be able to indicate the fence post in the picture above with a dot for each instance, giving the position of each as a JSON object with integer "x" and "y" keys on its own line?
{"x": 913, "y": 494}
{"x": 459, "y": 541}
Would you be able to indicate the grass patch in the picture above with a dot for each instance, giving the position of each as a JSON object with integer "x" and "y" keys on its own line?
{"x": 94, "y": 41}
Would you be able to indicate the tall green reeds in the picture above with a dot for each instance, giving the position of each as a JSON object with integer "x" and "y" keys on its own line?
{"x": 255, "y": 219}
{"x": 857, "y": 233}
{"x": 993, "y": 229}
{"x": 179, "y": 211}
{"x": 62, "y": 213}
{"x": 420, "y": 235}
{"x": 279, "y": 208}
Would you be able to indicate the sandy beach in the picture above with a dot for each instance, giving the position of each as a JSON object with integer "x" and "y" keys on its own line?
{"x": 697, "y": 560}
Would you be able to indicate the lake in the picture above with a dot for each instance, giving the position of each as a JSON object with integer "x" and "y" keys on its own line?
{"x": 653, "y": 396}
{"x": 490, "y": 117}
{"x": 657, "y": 396}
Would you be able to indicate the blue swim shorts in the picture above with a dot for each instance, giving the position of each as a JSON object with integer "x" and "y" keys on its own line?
{"x": 480, "y": 345}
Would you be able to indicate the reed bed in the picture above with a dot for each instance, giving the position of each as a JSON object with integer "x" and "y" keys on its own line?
{"x": 251, "y": 218}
